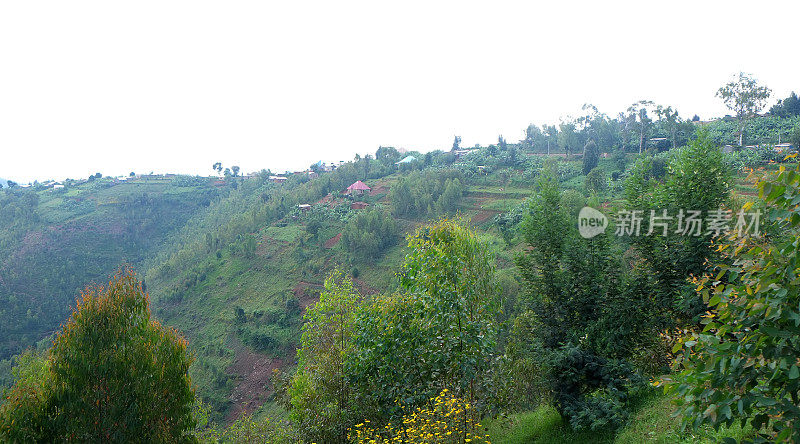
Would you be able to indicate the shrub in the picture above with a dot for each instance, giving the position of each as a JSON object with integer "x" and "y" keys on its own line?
{"x": 445, "y": 420}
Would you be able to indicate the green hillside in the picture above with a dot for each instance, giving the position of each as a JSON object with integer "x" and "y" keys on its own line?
{"x": 233, "y": 264}
{"x": 55, "y": 242}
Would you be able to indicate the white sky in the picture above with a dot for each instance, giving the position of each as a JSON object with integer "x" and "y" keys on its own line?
{"x": 174, "y": 86}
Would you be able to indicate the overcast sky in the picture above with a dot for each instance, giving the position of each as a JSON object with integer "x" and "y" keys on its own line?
{"x": 174, "y": 86}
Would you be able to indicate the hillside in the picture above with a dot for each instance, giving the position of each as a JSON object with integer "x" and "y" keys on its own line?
{"x": 234, "y": 264}
{"x": 55, "y": 242}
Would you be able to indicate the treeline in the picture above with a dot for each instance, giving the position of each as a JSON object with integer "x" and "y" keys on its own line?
{"x": 428, "y": 193}
{"x": 367, "y": 235}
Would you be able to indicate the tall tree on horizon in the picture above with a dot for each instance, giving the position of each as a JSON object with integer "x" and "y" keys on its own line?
{"x": 745, "y": 97}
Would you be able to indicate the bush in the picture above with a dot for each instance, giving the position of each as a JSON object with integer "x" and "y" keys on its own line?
{"x": 445, "y": 420}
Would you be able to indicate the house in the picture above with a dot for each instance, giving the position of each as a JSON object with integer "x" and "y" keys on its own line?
{"x": 304, "y": 207}
{"x": 58, "y": 186}
{"x": 727, "y": 149}
{"x": 277, "y": 179}
{"x": 358, "y": 205}
{"x": 312, "y": 175}
{"x": 358, "y": 188}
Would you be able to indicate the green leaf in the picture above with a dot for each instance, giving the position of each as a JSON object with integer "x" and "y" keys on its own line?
{"x": 794, "y": 372}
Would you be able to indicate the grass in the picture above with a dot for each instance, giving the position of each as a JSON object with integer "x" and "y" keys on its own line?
{"x": 540, "y": 426}
{"x": 650, "y": 422}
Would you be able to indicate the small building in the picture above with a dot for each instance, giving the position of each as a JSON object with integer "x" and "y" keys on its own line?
{"x": 58, "y": 186}
{"x": 304, "y": 207}
{"x": 277, "y": 179}
{"x": 727, "y": 149}
{"x": 312, "y": 175}
{"x": 358, "y": 205}
{"x": 784, "y": 148}
{"x": 358, "y": 188}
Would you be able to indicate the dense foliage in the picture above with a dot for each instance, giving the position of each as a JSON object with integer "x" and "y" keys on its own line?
{"x": 112, "y": 375}
{"x": 744, "y": 365}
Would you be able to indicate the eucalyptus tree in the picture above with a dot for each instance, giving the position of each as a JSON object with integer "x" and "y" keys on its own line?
{"x": 670, "y": 119}
{"x": 567, "y": 137}
{"x": 745, "y": 97}
{"x": 551, "y": 134}
{"x": 641, "y": 119}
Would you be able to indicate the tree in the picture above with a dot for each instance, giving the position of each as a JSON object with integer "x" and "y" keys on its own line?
{"x": 217, "y": 167}
{"x": 567, "y": 137}
{"x": 591, "y": 156}
{"x": 697, "y": 178}
{"x": 501, "y": 143}
{"x": 534, "y": 137}
{"x": 320, "y": 393}
{"x": 584, "y": 315}
{"x": 638, "y": 112}
{"x": 456, "y": 143}
{"x": 387, "y": 154}
{"x": 794, "y": 139}
{"x": 596, "y": 181}
{"x": 552, "y": 135}
{"x": 745, "y": 97}
{"x": 670, "y": 119}
{"x": 745, "y": 364}
{"x": 235, "y": 170}
{"x": 788, "y": 107}
{"x": 112, "y": 374}
{"x": 439, "y": 332}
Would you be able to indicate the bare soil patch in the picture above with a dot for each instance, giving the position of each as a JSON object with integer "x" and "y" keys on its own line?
{"x": 254, "y": 386}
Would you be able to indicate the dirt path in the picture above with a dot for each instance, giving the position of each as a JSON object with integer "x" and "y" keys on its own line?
{"x": 254, "y": 386}
{"x": 330, "y": 243}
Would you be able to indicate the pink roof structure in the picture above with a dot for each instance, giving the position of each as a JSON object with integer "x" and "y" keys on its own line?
{"x": 358, "y": 186}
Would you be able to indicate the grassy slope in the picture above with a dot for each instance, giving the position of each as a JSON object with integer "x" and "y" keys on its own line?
{"x": 651, "y": 422}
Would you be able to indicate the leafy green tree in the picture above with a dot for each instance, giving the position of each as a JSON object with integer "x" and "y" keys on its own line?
{"x": 24, "y": 412}
{"x": 501, "y": 143}
{"x": 438, "y": 332}
{"x": 321, "y": 396}
{"x": 591, "y": 156}
{"x": 745, "y": 97}
{"x": 745, "y": 364}
{"x": 596, "y": 182}
{"x": 669, "y": 118}
{"x": 112, "y": 375}
{"x": 387, "y": 154}
{"x": 585, "y": 313}
{"x": 788, "y": 107}
{"x": 368, "y": 234}
{"x": 551, "y": 133}
{"x": 456, "y": 143}
{"x": 567, "y": 137}
{"x": 641, "y": 119}
{"x": 697, "y": 179}
{"x": 235, "y": 170}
